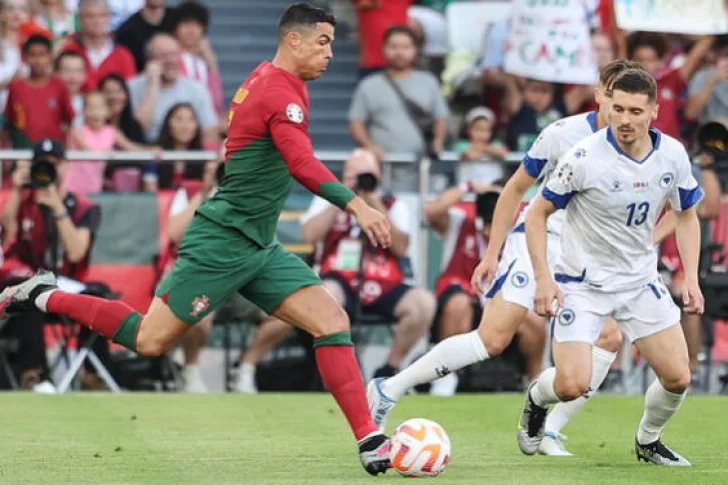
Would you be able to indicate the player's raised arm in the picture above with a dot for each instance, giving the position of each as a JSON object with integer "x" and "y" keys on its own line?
{"x": 290, "y": 136}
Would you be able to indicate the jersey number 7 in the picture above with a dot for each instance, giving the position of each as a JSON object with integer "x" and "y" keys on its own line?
{"x": 637, "y": 214}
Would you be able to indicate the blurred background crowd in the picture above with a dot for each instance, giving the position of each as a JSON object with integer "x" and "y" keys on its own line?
{"x": 427, "y": 110}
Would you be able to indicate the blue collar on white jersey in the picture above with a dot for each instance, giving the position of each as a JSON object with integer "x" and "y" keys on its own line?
{"x": 592, "y": 119}
{"x": 655, "y": 134}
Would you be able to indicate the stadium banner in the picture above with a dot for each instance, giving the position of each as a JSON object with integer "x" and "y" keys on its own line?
{"x": 696, "y": 17}
{"x": 549, "y": 41}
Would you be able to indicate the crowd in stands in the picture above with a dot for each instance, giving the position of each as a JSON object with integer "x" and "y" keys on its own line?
{"x": 103, "y": 75}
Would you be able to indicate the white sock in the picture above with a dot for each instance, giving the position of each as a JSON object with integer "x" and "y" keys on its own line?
{"x": 41, "y": 301}
{"x": 564, "y": 411}
{"x": 543, "y": 392}
{"x": 660, "y": 406}
{"x": 450, "y": 355}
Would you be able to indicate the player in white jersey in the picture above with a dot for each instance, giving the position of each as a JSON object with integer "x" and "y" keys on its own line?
{"x": 614, "y": 185}
{"x": 512, "y": 292}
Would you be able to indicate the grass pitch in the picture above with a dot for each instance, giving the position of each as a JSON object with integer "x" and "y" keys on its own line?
{"x": 177, "y": 439}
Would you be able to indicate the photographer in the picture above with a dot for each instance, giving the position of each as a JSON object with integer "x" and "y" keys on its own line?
{"x": 342, "y": 252}
{"x": 44, "y": 227}
{"x": 465, "y": 228}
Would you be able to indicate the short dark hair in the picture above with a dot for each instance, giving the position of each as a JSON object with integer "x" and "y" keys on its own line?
{"x": 401, "y": 29}
{"x": 36, "y": 39}
{"x": 615, "y": 68}
{"x": 67, "y": 55}
{"x": 190, "y": 11}
{"x": 653, "y": 40}
{"x": 302, "y": 14}
{"x": 636, "y": 81}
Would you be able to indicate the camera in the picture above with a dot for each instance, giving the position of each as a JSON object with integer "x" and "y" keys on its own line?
{"x": 366, "y": 182}
{"x": 712, "y": 138}
{"x": 485, "y": 206}
{"x": 42, "y": 173}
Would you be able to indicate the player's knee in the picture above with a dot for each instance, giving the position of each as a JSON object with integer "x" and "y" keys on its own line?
{"x": 677, "y": 383}
{"x": 570, "y": 388}
{"x": 496, "y": 343}
{"x": 151, "y": 347}
{"x": 338, "y": 321}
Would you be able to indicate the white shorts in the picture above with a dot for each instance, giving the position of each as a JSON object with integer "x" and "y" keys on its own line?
{"x": 640, "y": 312}
{"x": 515, "y": 277}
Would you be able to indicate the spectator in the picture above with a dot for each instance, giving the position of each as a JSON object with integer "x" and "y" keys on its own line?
{"x": 188, "y": 23}
{"x": 532, "y": 108}
{"x": 381, "y": 113}
{"x": 431, "y": 28}
{"x": 650, "y": 50}
{"x": 708, "y": 93}
{"x": 96, "y": 134}
{"x": 180, "y": 131}
{"x": 465, "y": 227}
{"x": 97, "y": 46}
{"x": 40, "y": 106}
{"x": 161, "y": 87}
{"x": 579, "y": 98}
{"x": 137, "y": 30}
{"x": 70, "y": 67}
{"x": 54, "y": 16}
{"x": 121, "y": 10}
{"x": 383, "y": 291}
{"x": 375, "y": 18}
{"x": 478, "y": 147}
{"x": 13, "y": 13}
{"x": 48, "y": 227}
{"x": 121, "y": 115}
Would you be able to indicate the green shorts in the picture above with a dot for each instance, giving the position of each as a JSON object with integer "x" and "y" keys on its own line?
{"x": 214, "y": 262}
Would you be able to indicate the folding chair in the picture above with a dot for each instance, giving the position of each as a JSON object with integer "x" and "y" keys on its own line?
{"x": 85, "y": 351}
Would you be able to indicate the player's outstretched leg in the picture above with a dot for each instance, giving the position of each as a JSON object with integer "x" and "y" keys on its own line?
{"x": 497, "y": 327}
{"x": 152, "y": 334}
{"x": 313, "y": 309}
{"x": 567, "y": 381}
{"x": 603, "y": 355}
{"x": 667, "y": 354}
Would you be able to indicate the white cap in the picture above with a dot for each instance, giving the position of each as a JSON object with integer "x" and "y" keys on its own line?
{"x": 479, "y": 112}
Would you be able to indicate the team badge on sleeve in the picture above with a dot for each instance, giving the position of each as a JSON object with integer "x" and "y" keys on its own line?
{"x": 565, "y": 174}
{"x": 666, "y": 180}
{"x": 294, "y": 113}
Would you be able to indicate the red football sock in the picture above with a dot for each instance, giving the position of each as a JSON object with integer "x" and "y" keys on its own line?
{"x": 340, "y": 372}
{"x": 110, "y": 318}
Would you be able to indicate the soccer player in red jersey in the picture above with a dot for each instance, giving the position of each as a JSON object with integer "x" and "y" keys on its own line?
{"x": 231, "y": 244}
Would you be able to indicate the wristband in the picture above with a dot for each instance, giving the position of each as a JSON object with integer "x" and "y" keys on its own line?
{"x": 61, "y": 216}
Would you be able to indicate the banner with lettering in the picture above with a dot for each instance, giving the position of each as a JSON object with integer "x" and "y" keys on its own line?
{"x": 549, "y": 41}
{"x": 696, "y": 17}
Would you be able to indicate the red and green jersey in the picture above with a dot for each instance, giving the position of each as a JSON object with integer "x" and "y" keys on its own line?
{"x": 35, "y": 112}
{"x": 268, "y": 146}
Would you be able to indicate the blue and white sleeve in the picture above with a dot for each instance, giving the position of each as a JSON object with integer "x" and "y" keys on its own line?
{"x": 566, "y": 180}
{"x": 541, "y": 152}
{"x": 686, "y": 192}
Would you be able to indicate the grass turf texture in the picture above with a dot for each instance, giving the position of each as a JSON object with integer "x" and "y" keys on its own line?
{"x": 303, "y": 439}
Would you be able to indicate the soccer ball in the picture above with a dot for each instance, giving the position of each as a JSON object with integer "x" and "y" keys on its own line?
{"x": 420, "y": 448}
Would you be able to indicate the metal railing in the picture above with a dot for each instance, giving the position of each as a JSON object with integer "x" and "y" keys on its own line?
{"x": 423, "y": 165}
